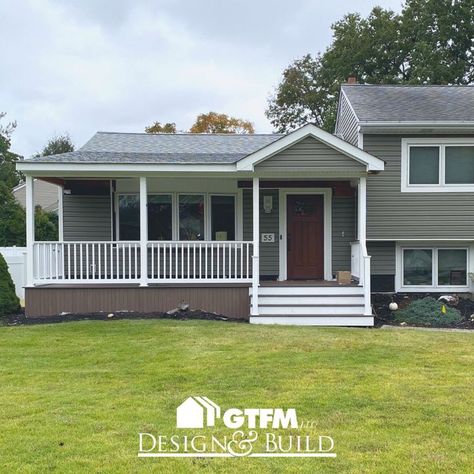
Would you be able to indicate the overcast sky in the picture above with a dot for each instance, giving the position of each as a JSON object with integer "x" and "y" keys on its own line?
{"x": 80, "y": 66}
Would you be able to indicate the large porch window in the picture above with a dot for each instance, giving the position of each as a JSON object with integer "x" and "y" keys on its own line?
{"x": 160, "y": 221}
{"x": 178, "y": 217}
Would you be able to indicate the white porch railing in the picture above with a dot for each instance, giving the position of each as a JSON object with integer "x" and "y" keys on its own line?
{"x": 360, "y": 268}
{"x": 171, "y": 261}
{"x": 167, "y": 261}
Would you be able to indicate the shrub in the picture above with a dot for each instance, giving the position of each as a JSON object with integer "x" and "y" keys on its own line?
{"x": 9, "y": 302}
{"x": 428, "y": 312}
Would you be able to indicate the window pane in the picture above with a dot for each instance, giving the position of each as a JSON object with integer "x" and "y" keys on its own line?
{"x": 160, "y": 219}
{"x": 424, "y": 165}
{"x": 417, "y": 267}
{"x": 129, "y": 217}
{"x": 222, "y": 218}
{"x": 452, "y": 267}
{"x": 191, "y": 217}
{"x": 459, "y": 164}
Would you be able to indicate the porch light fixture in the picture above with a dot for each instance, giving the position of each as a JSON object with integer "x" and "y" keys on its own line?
{"x": 267, "y": 204}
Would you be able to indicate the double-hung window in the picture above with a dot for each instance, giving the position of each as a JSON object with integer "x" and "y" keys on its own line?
{"x": 432, "y": 165}
{"x": 434, "y": 267}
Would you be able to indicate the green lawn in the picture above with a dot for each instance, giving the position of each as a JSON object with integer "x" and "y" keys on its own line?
{"x": 74, "y": 396}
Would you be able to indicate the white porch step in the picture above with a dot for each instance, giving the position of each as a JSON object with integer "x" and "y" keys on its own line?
{"x": 311, "y": 310}
{"x": 322, "y": 303}
{"x": 305, "y": 300}
{"x": 310, "y": 290}
{"x": 323, "y": 320}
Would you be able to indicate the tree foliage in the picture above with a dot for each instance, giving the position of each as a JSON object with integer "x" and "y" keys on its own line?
{"x": 429, "y": 42}
{"x": 9, "y": 302}
{"x": 213, "y": 122}
{"x": 46, "y": 224}
{"x": 158, "y": 127}
{"x": 12, "y": 219}
{"x": 57, "y": 145}
{"x": 8, "y": 173}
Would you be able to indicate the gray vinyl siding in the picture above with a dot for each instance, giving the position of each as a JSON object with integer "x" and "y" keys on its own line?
{"x": 347, "y": 123}
{"x": 393, "y": 215}
{"x": 383, "y": 258}
{"x": 269, "y": 252}
{"x": 87, "y": 218}
{"x": 343, "y": 231}
{"x": 310, "y": 154}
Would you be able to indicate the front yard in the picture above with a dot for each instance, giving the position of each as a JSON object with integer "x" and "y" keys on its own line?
{"x": 74, "y": 396}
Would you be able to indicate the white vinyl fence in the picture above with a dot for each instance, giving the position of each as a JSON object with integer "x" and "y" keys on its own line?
{"x": 16, "y": 261}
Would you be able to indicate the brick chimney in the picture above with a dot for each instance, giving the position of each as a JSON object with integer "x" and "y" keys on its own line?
{"x": 352, "y": 80}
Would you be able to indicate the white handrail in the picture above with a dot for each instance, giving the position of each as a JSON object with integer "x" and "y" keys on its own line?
{"x": 199, "y": 260}
{"x": 121, "y": 261}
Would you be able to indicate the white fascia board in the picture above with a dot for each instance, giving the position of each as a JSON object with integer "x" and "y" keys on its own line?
{"x": 113, "y": 169}
{"x": 416, "y": 127}
{"x": 248, "y": 163}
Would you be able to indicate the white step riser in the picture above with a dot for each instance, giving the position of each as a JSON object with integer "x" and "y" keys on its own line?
{"x": 309, "y": 300}
{"x": 315, "y": 310}
{"x": 310, "y": 290}
{"x": 316, "y": 321}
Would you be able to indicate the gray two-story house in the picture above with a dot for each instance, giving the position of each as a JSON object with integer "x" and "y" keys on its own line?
{"x": 297, "y": 228}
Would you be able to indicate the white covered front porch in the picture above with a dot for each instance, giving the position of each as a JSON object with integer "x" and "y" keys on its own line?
{"x": 144, "y": 262}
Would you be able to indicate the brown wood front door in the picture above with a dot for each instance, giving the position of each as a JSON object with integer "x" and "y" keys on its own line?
{"x": 305, "y": 236}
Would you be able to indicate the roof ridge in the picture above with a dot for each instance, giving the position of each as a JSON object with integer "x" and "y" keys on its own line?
{"x": 454, "y": 86}
{"x": 185, "y": 134}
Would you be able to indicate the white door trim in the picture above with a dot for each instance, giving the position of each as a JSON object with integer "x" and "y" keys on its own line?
{"x": 327, "y": 196}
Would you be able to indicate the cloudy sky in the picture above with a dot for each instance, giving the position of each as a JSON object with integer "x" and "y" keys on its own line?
{"x": 79, "y": 66}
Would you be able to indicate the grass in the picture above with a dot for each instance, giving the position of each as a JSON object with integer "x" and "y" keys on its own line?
{"x": 74, "y": 396}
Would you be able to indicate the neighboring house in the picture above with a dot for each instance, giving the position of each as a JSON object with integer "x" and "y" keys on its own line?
{"x": 46, "y": 195}
{"x": 263, "y": 224}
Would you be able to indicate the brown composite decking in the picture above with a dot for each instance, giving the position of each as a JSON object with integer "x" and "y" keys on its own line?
{"x": 229, "y": 299}
{"x": 48, "y": 300}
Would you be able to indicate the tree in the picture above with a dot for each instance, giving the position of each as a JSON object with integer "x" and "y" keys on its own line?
{"x": 46, "y": 225}
{"x": 429, "y": 42}
{"x": 8, "y": 174}
{"x": 158, "y": 127}
{"x": 57, "y": 145}
{"x": 213, "y": 122}
{"x": 9, "y": 302}
{"x": 12, "y": 219}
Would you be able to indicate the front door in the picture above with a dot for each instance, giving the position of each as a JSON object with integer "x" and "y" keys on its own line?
{"x": 305, "y": 236}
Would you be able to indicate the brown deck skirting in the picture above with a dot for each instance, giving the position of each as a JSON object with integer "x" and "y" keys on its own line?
{"x": 229, "y": 300}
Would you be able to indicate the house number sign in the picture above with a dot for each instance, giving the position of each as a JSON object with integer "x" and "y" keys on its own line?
{"x": 268, "y": 237}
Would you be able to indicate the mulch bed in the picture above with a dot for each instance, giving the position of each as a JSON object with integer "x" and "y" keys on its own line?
{"x": 383, "y": 315}
{"x": 18, "y": 319}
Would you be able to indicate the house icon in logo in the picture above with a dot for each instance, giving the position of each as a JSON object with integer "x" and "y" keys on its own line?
{"x": 197, "y": 412}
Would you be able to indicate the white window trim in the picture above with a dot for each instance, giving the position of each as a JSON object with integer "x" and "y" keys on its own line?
{"x": 175, "y": 211}
{"x": 406, "y": 187}
{"x": 282, "y": 198}
{"x": 400, "y": 287}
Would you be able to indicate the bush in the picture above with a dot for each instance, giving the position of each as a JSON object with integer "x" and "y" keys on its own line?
{"x": 428, "y": 312}
{"x": 9, "y": 302}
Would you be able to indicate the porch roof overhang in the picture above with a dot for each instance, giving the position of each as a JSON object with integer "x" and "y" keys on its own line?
{"x": 241, "y": 167}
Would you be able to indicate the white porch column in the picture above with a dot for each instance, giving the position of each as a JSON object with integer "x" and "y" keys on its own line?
{"x": 362, "y": 234}
{"x": 362, "y": 209}
{"x": 256, "y": 246}
{"x": 143, "y": 232}
{"x": 30, "y": 229}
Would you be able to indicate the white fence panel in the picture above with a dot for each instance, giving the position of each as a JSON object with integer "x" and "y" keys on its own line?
{"x": 15, "y": 258}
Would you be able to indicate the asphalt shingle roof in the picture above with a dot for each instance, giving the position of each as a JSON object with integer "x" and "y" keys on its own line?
{"x": 389, "y": 103}
{"x": 109, "y": 147}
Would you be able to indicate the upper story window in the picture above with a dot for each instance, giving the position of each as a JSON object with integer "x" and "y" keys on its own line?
{"x": 437, "y": 165}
